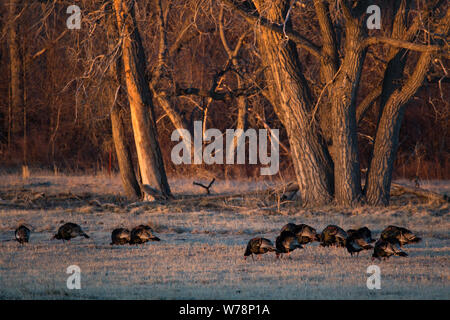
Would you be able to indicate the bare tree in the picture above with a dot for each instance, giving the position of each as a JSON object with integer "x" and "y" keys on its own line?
{"x": 394, "y": 98}
{"x": 232, "y": 58}
{"x": 339, "y": 89}
{"x": 341, "y": 75}
{"x": 113, "y": 86}
{"x": 144, "y": 127}
{"x": 291, "y": 98}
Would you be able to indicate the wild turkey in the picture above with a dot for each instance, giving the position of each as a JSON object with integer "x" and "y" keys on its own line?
{"x": 292, "y": 227}
{"x": 22, "y": 234}
{"x": 142, "y": 234}
{"x": 403, "y": 235}
{"x": 367, "y": 234}
{"x": 364, "y": 232}
{"x": 120, "y": 236}
{"x": 286, "y": 242}
{"x": 356, "y": 242}
{"x": 384, "y": 248}
{"x": 69, "y": 231}
{"x": 258, "y": 246}
{"x": 305, "y": 234}
{"x": 333, "y": 236}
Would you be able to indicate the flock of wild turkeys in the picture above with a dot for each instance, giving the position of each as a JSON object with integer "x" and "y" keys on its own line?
{"x": 119, "y": 236}
{"x": 292, "y": 236}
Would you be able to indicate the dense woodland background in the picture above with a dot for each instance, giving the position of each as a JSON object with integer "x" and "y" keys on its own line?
{"x": 65, "y": 119}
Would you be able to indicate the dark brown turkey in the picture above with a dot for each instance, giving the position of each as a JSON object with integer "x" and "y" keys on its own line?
{"x": 69, "y": 231}
{"x": 258, "y": 246}
{"x": 305, "y": 234}
{"x": 286, "y": 242}
{"x": 364, "y": 232}
{"x": 142, "y": 234}
{"x": 120, "y": 236}
{"x": 357, "y": 241}
{"x": 333, "y": 235}
{"x": 384, "y": 248}
{"x": 403, "y": 235}
{"x": 22, "y": 234}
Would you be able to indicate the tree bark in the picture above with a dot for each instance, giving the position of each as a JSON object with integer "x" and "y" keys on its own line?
{"x": 127, "y": 173}
{"x": 328, "y": 67}
{"x": 144, "y": 127}
{"x": 123, "y": 152}
{"x": 347, "y": 175}
{"x": 313, "y": 166}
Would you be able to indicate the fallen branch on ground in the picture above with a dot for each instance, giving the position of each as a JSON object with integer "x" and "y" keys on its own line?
{"x": 203, "y": 186}
{"x": 399, "y": 189}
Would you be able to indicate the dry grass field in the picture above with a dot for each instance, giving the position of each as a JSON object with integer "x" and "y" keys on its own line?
{"x": 201, "y": 252}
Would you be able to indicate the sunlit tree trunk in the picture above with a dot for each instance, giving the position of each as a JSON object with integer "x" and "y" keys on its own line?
{"x": 312, "y": 163}
{"x": 123, "y": 152}
{"x": 144, "y": 127}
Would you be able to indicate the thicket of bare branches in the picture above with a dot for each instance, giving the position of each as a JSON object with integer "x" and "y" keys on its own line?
{"x": 203, "y": 63}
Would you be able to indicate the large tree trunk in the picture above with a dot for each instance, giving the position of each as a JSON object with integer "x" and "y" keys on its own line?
{"x": 127, "y": 173}
{"x": 397, "y": 58}
{"x": 386, "y": 140}
{"x": 313, "y": 166}
{"x": 144, "y": 127}
{"x": 16, "y": 69}
{"x": 123, "y": 152}
{"x": 347, "y": 175}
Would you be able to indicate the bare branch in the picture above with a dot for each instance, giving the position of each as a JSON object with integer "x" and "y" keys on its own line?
{"x": 365, "y": 105}
{"x": 162, "y": 52}
{"x": 401, "y": 44}
{"x": 47, "y": 47}
{"x": 251, "y": 17}
{"x": 218, "y": 96}
{"x": 203, "y": 186}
